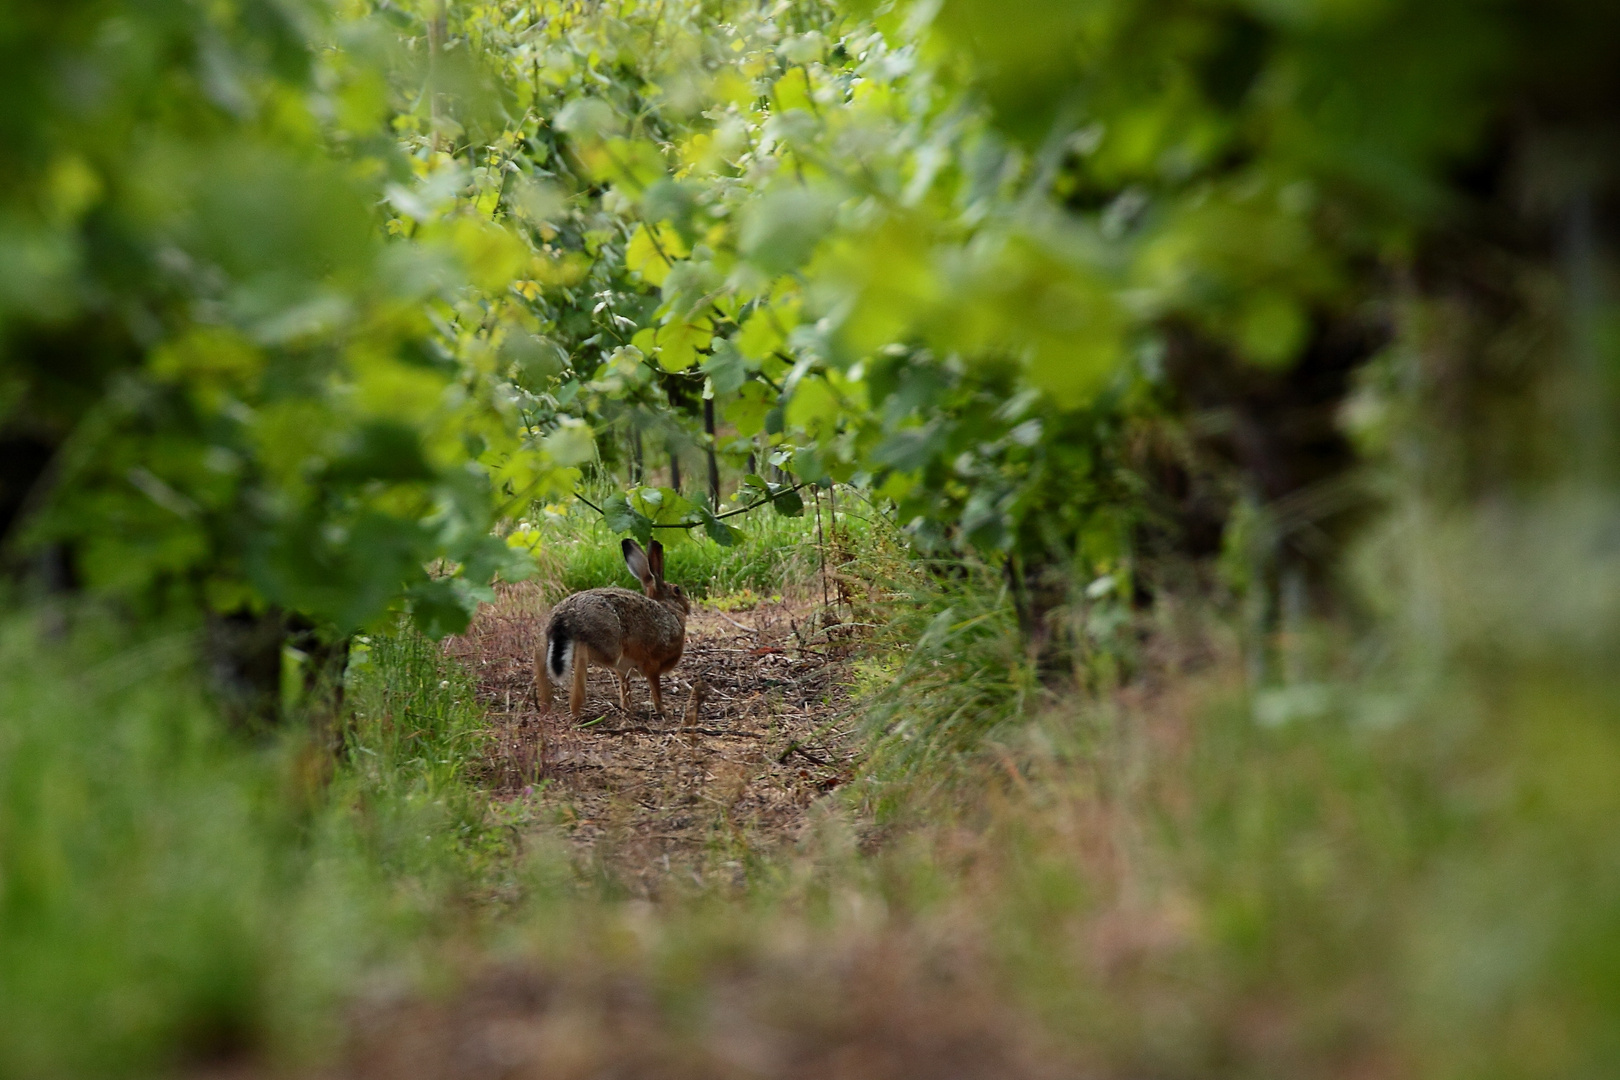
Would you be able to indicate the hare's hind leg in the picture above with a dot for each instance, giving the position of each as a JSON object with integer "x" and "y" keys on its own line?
{"x": 542, "y": 680}
{"x": 656, "y": 683}
{"x": 622, "y": 668}
{"x": 576, "y": 696}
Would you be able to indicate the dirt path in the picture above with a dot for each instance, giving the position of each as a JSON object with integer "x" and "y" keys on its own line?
{"x": 652, "y": 802}
{"x": 654, "y": 808}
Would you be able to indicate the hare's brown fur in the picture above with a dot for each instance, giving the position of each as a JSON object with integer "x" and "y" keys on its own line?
{"x": 618, "y": 629}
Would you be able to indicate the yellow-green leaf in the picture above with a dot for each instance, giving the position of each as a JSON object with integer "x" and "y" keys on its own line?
{"x": 792, "y": 91}
{"x": 651, "y": 252}
{"x": 747, "y": 413}
{"x": 679, "y": 342}
{"x": 814, "y": 405}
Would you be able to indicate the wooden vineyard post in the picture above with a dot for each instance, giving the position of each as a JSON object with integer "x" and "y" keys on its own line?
{"x": 821, "y": 544}
{"x": 714, "y": 466}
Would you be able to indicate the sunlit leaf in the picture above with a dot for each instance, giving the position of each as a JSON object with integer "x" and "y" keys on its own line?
{"x": 679, "y": 342}
{"x": 651, "y": 252}
{"x": 792, "y": 90}
{"x": 761, "y": 335}
{"x": 814, "y": 406}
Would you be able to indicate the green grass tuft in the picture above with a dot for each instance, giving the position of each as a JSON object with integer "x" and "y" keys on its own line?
{"x": 776, "y": 554}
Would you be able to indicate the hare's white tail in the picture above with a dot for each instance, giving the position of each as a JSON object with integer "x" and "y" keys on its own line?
{"x": 559, "y": 655}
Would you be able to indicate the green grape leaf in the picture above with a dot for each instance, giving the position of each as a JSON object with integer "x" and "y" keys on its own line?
{"x": 814, "y": 405}
{"x": 679, "y": 342}
{"x": 788, "y": 503}
{"x": 726, "y": 369}
{"x": 792, "y": 90}
{"x": 717, "y": 530}
{"x": 747, "y": 413}
{"x": 621, "y": 517}
{"x": 760, "y": 336}
{"x": 571, "y": 443}
{"x": 779, "y": 232}
{"x": 652, "y": 252}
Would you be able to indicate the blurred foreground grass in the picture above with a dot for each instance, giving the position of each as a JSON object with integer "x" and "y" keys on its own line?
{"x": 174, "y": 893}
{"x": 1397, "y": 861}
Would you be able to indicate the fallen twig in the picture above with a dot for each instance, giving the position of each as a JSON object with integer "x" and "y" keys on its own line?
{"x": 804, "y": 752}
{"x": 751, "y": 629}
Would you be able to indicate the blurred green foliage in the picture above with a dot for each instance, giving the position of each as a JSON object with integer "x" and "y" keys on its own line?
{"x": 170, "y": 897}
{"x": 330, "y": 290}
{"x": 947, "y": 255}
{"x": 140, "y": 901}
{"x": 222, "y": 384}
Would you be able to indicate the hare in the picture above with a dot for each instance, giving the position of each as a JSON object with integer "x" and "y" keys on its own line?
{"x": 615, "y": 628}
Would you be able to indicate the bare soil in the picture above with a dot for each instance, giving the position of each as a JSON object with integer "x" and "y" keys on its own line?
{"x": 648, "y": 801}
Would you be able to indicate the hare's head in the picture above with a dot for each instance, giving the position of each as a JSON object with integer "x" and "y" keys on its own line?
{"x": 648, "y": 566}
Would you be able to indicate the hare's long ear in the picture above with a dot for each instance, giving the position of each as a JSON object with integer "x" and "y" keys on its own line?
{"x": 655, "y": 557}
{"x": 636, "y": 560}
